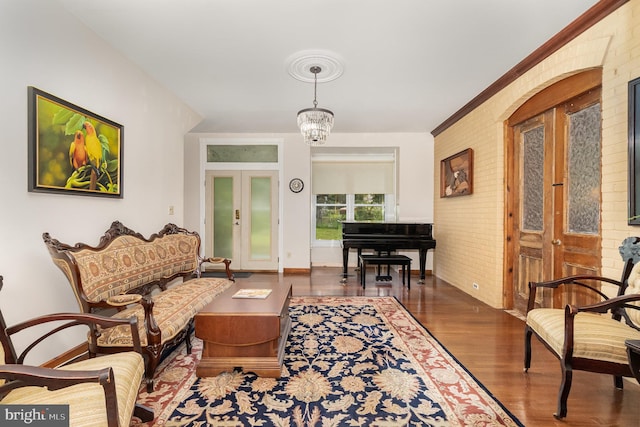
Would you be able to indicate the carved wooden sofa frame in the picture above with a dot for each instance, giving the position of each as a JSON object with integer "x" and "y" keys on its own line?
{"x": 128, "y": 275}
{"x": 591, "y": 337}
{"x": 100, "y": 391}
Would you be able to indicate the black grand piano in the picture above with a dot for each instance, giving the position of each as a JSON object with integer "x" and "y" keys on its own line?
{"x": 386, "y": 237}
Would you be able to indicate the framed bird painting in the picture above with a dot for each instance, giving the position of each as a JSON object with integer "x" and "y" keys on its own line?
{"x": 72, "y": 150}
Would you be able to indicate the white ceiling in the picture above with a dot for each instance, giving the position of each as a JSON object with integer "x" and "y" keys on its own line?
{"x": 408, "y": 64}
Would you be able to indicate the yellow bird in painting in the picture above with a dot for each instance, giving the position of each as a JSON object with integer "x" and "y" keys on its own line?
{"x": 77, "y": 151}
{"x": 93, "y": 145}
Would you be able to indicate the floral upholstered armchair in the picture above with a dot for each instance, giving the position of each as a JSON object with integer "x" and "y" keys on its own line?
{"x": 99, "y": 391}
{"x": 592, "y": 337}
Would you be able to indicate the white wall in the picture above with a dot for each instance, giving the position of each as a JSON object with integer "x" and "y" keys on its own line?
{"x": 415, "y": 198}
{"x": 43, "y": 46}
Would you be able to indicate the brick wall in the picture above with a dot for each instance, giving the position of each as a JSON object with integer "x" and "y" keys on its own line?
{"x": 470, "y": 229}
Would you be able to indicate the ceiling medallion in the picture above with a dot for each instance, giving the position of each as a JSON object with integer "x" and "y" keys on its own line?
{"x": 299, "y": 65}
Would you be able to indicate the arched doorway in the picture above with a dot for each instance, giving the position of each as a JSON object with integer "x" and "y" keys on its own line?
{"x": 553, "y": 199}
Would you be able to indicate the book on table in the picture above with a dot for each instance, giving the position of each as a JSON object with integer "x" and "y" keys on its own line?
{"x": 252, "y": 293}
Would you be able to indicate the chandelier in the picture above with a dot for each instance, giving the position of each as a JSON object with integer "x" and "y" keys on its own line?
{"x": 315, "y": 123}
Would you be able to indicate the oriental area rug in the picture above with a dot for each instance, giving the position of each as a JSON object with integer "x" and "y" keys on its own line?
{"x": 350, "y": 361}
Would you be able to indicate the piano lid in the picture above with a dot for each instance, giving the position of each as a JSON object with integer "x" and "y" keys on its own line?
{"x": 386, "y": 228}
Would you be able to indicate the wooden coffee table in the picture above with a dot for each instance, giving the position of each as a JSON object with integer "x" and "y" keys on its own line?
{"x": 249, "y": 334}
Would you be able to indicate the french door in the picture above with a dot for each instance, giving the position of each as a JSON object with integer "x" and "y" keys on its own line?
{"x": 241, "y": 221}
{"x": 555, "y": 198}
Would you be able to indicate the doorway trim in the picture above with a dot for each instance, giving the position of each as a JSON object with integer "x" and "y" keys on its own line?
{"x": 207, "y": 166}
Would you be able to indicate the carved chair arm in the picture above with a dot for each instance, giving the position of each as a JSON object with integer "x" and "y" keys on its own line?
{"x": 580, "y": 280}
{"x": 53, "y": 379}
{"x": 604, "y": 306}
{"x": 618, "y": 307}
{"x": 216, "y": 260}
{"x": 151, "y": 326}
{"x": 614, "y": 305}
{"x": 123, "y": 300}
{"x": 74, "y": 319}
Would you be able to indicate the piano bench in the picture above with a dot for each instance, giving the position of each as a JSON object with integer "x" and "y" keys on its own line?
{"x": 387, "y": 260}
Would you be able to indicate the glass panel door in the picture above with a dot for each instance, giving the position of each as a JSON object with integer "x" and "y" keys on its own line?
{"x": 223, "y": 217}
{"x": 260, "y": 238}
{"x": 583, "y": 215}
{"x": 241, "y": 219}
{"x": 259, "y": 223}
{"x": 222, "y": 207}
{"x": 533, "y": 179}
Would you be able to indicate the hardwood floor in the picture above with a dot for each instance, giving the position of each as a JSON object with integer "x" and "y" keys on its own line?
{"x": 489, "y": 343}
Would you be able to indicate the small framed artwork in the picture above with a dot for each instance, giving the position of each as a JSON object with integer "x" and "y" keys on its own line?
{"x": 634, "y": 152}
{"x": 72, "y": 150}
{"x": 456, "y": 174}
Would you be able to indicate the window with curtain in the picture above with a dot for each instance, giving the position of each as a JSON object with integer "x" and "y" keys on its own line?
{"x": 351, "y": 188}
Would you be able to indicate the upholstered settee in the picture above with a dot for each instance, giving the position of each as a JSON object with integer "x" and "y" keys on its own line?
{"x": 128, "y": 275}
{"x": 101, "y": 391}
{"x": 589, "y": 337}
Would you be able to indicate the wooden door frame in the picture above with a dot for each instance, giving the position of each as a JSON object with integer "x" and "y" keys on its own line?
{"x": 544, "y": 100}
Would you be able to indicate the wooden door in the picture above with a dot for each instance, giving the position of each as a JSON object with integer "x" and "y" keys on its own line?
{"x": 577, "y": 231}
{"x": 553, "y": 195}
{"x": 533, "y": 149}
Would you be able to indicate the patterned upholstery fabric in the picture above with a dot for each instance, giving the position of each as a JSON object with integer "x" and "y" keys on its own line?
{"x": 129, "y": 272}
{"x": 129, "y": 262}
{"x": 634, "y": 288}
{"x": 596, "y": 336}
{"x": 86, "y": 401}
{"x": 172, "y": 310}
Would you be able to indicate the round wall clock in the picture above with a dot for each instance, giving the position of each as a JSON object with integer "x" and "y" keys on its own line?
{"x": 296, "y": 185}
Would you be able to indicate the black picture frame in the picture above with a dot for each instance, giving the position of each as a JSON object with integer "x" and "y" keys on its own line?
{"x": 634, "y": 152}
{"x": 72, "y": 150}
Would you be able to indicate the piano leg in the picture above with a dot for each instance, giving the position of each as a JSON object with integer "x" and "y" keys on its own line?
{"x": 345, "y": 262}
{"x": 423, "y": 263}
